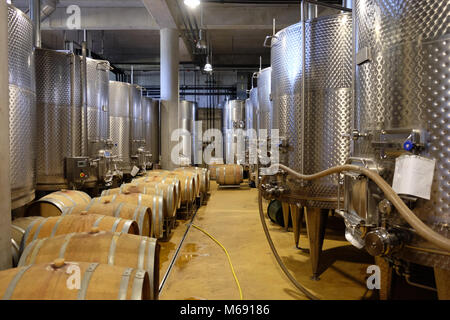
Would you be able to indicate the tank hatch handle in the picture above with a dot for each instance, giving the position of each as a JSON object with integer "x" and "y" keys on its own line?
{"x": 363, "y": 55}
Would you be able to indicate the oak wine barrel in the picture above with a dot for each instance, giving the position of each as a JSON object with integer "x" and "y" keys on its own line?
{"x": 154, "y": 202}
{"x": 229, "y": 174}
{"x": 55, "y": 226}
{"x": 18, "y": 229}
{"x": 214, "y": 163}
{"x": 58, "y": 281}
{"x": 187, "y": 185}
{"x": 142, "y": 215}
{"x": 155, "y": 179}
{"x": 53, "y": 204}
{"x": 190, "y": 173}
{"x": 167, "y": 191}
{"x": 204, "y": 175}
{"x": 104, "y": 247}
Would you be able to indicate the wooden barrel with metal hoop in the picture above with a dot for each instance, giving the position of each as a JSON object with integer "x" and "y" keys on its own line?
{"x": 187, "y": 185}
{"x": 154, "y": 202}
{"x": 57, "y": 281}
{"x": 119, "y": 249}
{"x": 153, "y": 180}
{"x": 171, "y": 174}
{"x": 229, "y": 174}
{"x": 18, "y": 229}
{"x": 166, "y": 190}
{"x": 52, "y": 204}
{"x": 204, "y": 175}
{"x": 191, "y": 173}
{"x": 214, "y": 163}
{"x": 141, "y": 214}
{"x": 55, "y": 226}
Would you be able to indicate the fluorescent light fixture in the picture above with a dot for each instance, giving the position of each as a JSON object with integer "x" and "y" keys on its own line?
{"x": 192, "y": 3}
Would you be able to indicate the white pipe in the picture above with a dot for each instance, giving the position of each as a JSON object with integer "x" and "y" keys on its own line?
{"x": 5, "y": 183}
{"x": 169, "y": 56}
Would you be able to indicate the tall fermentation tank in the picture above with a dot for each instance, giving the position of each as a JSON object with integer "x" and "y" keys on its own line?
{"x": 251, "y": 127}
{"x": 265, "y": 106}
{"x": 97, "y": 105}
{"x": 327, "y": 103}
{"x": 314, "y": 111}
{"x": 402, "y": 103}
{"x": 234, "y": 131}
{"x": 22, "y": 107}
{"x": 286, "y": 75}
{"x": 151, "y": 127}
{"x": 59, "y": 115}
{"x": 120, "y": 123}
{"x": 137, "y": 119}
{"x": 251, "y": 109}
{"x": 187, "y": 117}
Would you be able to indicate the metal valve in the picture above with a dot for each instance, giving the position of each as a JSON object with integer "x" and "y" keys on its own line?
{"x": 385, "y": 207}
{"x": 380, "y": 242}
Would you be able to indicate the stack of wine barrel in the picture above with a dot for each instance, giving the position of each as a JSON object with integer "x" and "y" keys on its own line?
{"x": 72, "y": 246}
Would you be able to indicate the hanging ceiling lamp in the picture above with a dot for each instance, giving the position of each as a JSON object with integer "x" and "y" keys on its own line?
{"x": 208, "y": 66}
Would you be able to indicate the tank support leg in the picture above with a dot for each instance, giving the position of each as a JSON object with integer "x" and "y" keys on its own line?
{"x": 442, "y": 278}
{"x": 297, "y": 218}
{"x": 386, "y": 278}
{"x": 285, "y": 207}
{"x": 315, "y": 222}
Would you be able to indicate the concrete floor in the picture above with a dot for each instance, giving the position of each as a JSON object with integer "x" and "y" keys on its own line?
{"x": 201, "y": 270}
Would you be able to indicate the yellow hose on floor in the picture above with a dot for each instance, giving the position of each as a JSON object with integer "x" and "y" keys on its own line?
{"x": 228, "y": 256}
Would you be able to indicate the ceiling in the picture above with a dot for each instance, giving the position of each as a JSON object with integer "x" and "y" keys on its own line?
{"x": 127, "y": 31}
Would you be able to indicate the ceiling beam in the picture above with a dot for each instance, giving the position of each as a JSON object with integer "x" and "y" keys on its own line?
{"x": 103, "y": 19}
{"x": 250, "y": 17}
{"x": 162, "y": 12}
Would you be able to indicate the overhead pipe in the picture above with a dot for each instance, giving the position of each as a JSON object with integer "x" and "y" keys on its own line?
{"x": 5, "y": 183}
{"x": 322, "y": 4}
{"x": 190, "y": 29}
{"x": 35, "y": 16}
{"x": 47, "y": 8}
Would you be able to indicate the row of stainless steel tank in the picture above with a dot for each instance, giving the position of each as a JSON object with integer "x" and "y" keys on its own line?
{"x": 371, "y": 103}
{"x": 60, "y": 137}
{"x": 134, "y": 126}
{"x": 192, "y": 144}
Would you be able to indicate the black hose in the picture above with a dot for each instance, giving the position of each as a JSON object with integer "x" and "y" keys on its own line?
{"x": 302, "y": 289}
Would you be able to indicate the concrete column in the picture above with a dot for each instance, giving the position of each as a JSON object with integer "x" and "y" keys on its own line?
{"x": 169, "y": 93}
{"x": 5, "y": 183}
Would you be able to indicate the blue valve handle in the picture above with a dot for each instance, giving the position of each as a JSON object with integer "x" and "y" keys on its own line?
{"x": 408, "y": 145}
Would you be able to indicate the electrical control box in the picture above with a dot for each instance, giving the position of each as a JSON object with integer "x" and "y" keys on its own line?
{"x": 77, "y": 170}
